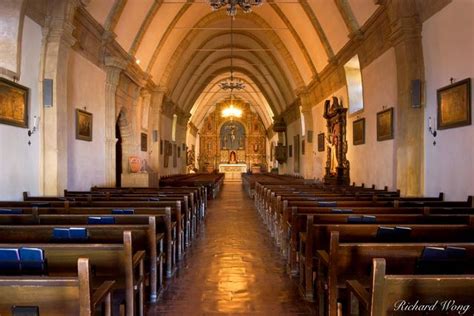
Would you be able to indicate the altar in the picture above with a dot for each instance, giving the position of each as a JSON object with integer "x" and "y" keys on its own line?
{"x": 233, "y": 171}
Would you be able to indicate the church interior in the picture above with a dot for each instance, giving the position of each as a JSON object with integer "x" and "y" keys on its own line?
{"x": 254, "y": 157}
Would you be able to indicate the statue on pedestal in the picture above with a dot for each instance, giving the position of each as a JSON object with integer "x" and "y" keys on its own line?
{"x": 337, "y": 166}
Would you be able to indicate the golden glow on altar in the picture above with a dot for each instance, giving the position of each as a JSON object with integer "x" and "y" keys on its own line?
{"x": 231, "y": 111}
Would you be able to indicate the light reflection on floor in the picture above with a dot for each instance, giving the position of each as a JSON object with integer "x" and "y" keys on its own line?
{"x": 232, "y": 268}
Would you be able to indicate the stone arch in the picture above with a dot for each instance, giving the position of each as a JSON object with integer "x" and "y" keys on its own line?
{"x": 126, "y": 134}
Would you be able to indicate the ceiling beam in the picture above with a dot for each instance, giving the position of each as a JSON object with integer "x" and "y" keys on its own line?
{"x": 144, "y": 27}
{"x": 349, "y": 18}
{"x": 296, "y": 36}
{"x": 114, "y": 15}
{"x": 319, "y": 29}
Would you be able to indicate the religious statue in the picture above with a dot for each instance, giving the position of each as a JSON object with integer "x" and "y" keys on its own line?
{"x": 337, "y": 165}
{"x": 333, "y": 144}
{"x": 232, "y": 157}
{"x": 232, "y": 135}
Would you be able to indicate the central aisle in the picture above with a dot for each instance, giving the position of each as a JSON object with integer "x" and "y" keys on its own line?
{"x": 233, "y": 267}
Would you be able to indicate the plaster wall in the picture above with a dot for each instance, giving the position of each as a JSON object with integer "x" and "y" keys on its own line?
{"x": 372, "y": 162}
{"x": 21, "y": 162}
{"x": 10, "y": 31}
{"x": 166, "y": 130}
{"x": 292, "y": 129}
{"x": 86, "y": 89}
{"x": 449, "y": 165}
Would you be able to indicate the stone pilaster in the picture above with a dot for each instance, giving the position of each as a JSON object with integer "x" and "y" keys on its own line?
{"x": 155, "y": 124}
{"x": 114, "y": 67}
{"x": 406, "y": 40}
{"x": 307, "y": 158}
{"x": 57, "y": 41}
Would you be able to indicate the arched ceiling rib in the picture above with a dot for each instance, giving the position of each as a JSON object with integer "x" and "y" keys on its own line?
{"x": 270, "y": 72}
{"x": 264, "y": 57}
{"x": 213, "y": 94}
{"x": 271, "y": 88}
{"x": 198, "y": 88}
{"x": 184, "y": 46}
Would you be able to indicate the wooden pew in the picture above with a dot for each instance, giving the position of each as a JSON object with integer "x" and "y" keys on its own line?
{"x": 116, "y": 261}
{"x": 289, "y": 230}
{"x": 318, "y": 236}
{"x": 213, "y": 182}
{"x": 388, "y": 292}
{"x": 352, "y": 260}
{"x": 175, "y": 208}
{"x": 106, "y": 245}
{"x": 57, "y": 295}
{"x": 200, "y": 192}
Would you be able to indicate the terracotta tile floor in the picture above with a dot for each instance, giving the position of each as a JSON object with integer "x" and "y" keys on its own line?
{"x": 232, "y": 268}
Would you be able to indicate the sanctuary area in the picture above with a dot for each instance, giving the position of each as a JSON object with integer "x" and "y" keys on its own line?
{"x": 219, "y": 157}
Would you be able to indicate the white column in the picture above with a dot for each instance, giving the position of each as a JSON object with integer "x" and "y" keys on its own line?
{"x": 114, "y": 67}
{"x": 57, "y": 39}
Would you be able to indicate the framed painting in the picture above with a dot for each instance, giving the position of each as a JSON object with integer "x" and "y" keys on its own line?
{"x": 358, "y": 132}
{"x": 161, "y": 147}
{"x": 175, "y": 155}
{"x": 83, "y": 125}
{"x": 296, "y": 162}
{"x": 272, "y": 148}
{"x": 290, "y": 151}
{"x": 454, "y": 105}
{"x": 13, "y": 103}
{"x": 303, "y": 145}
{"x": 143, "y": 142}
{"x": 385, "y": 125}
{"x": 321, "y": 141}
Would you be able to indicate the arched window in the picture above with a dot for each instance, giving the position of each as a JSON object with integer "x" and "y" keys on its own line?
{"x": 354, "y": 85}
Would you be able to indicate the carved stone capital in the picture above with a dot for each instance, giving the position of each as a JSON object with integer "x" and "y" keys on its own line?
{"x": 115, "y": 62}
{"x": 193, "y": 129}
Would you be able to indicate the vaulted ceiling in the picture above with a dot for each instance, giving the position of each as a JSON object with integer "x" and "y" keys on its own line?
{"x": 279, "y": 48}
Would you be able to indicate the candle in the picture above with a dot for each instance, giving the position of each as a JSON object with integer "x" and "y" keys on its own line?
{"x": 429, "y": 122}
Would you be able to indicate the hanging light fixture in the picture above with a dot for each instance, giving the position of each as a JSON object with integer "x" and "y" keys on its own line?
{"x": 231, "y": 83}
{"x": 231, "y": 111}
{"x": 245, "y": 5}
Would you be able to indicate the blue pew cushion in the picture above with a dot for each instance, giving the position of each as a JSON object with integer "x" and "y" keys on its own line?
{"x": 341, "y": 211}
{"x": 101, "y": 220}
{"x": 70, "y": 234}
{"x": 6, "y": 211}
{"x": 123, "y": 211}
{"x": 9, "y": 261}
{"x": 327, "y": 204}
{"x": 32, "y": 260}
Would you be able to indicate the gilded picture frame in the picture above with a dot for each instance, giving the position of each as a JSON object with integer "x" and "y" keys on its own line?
{"x": 84, "y": 125}
{"x": 13, "y": 103}
{"x": 358, "y": 132}
{"x": 385, "y": 125}
{"x": 454, "y": 105}
{"x": 321, "y": 142}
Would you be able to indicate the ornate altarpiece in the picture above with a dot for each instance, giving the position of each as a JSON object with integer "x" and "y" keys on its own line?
{"x": 337, "y": 165}
{"x": 235, "y": 141}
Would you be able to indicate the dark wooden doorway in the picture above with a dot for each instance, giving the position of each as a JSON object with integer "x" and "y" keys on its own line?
{"x": 118, "y": 156}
